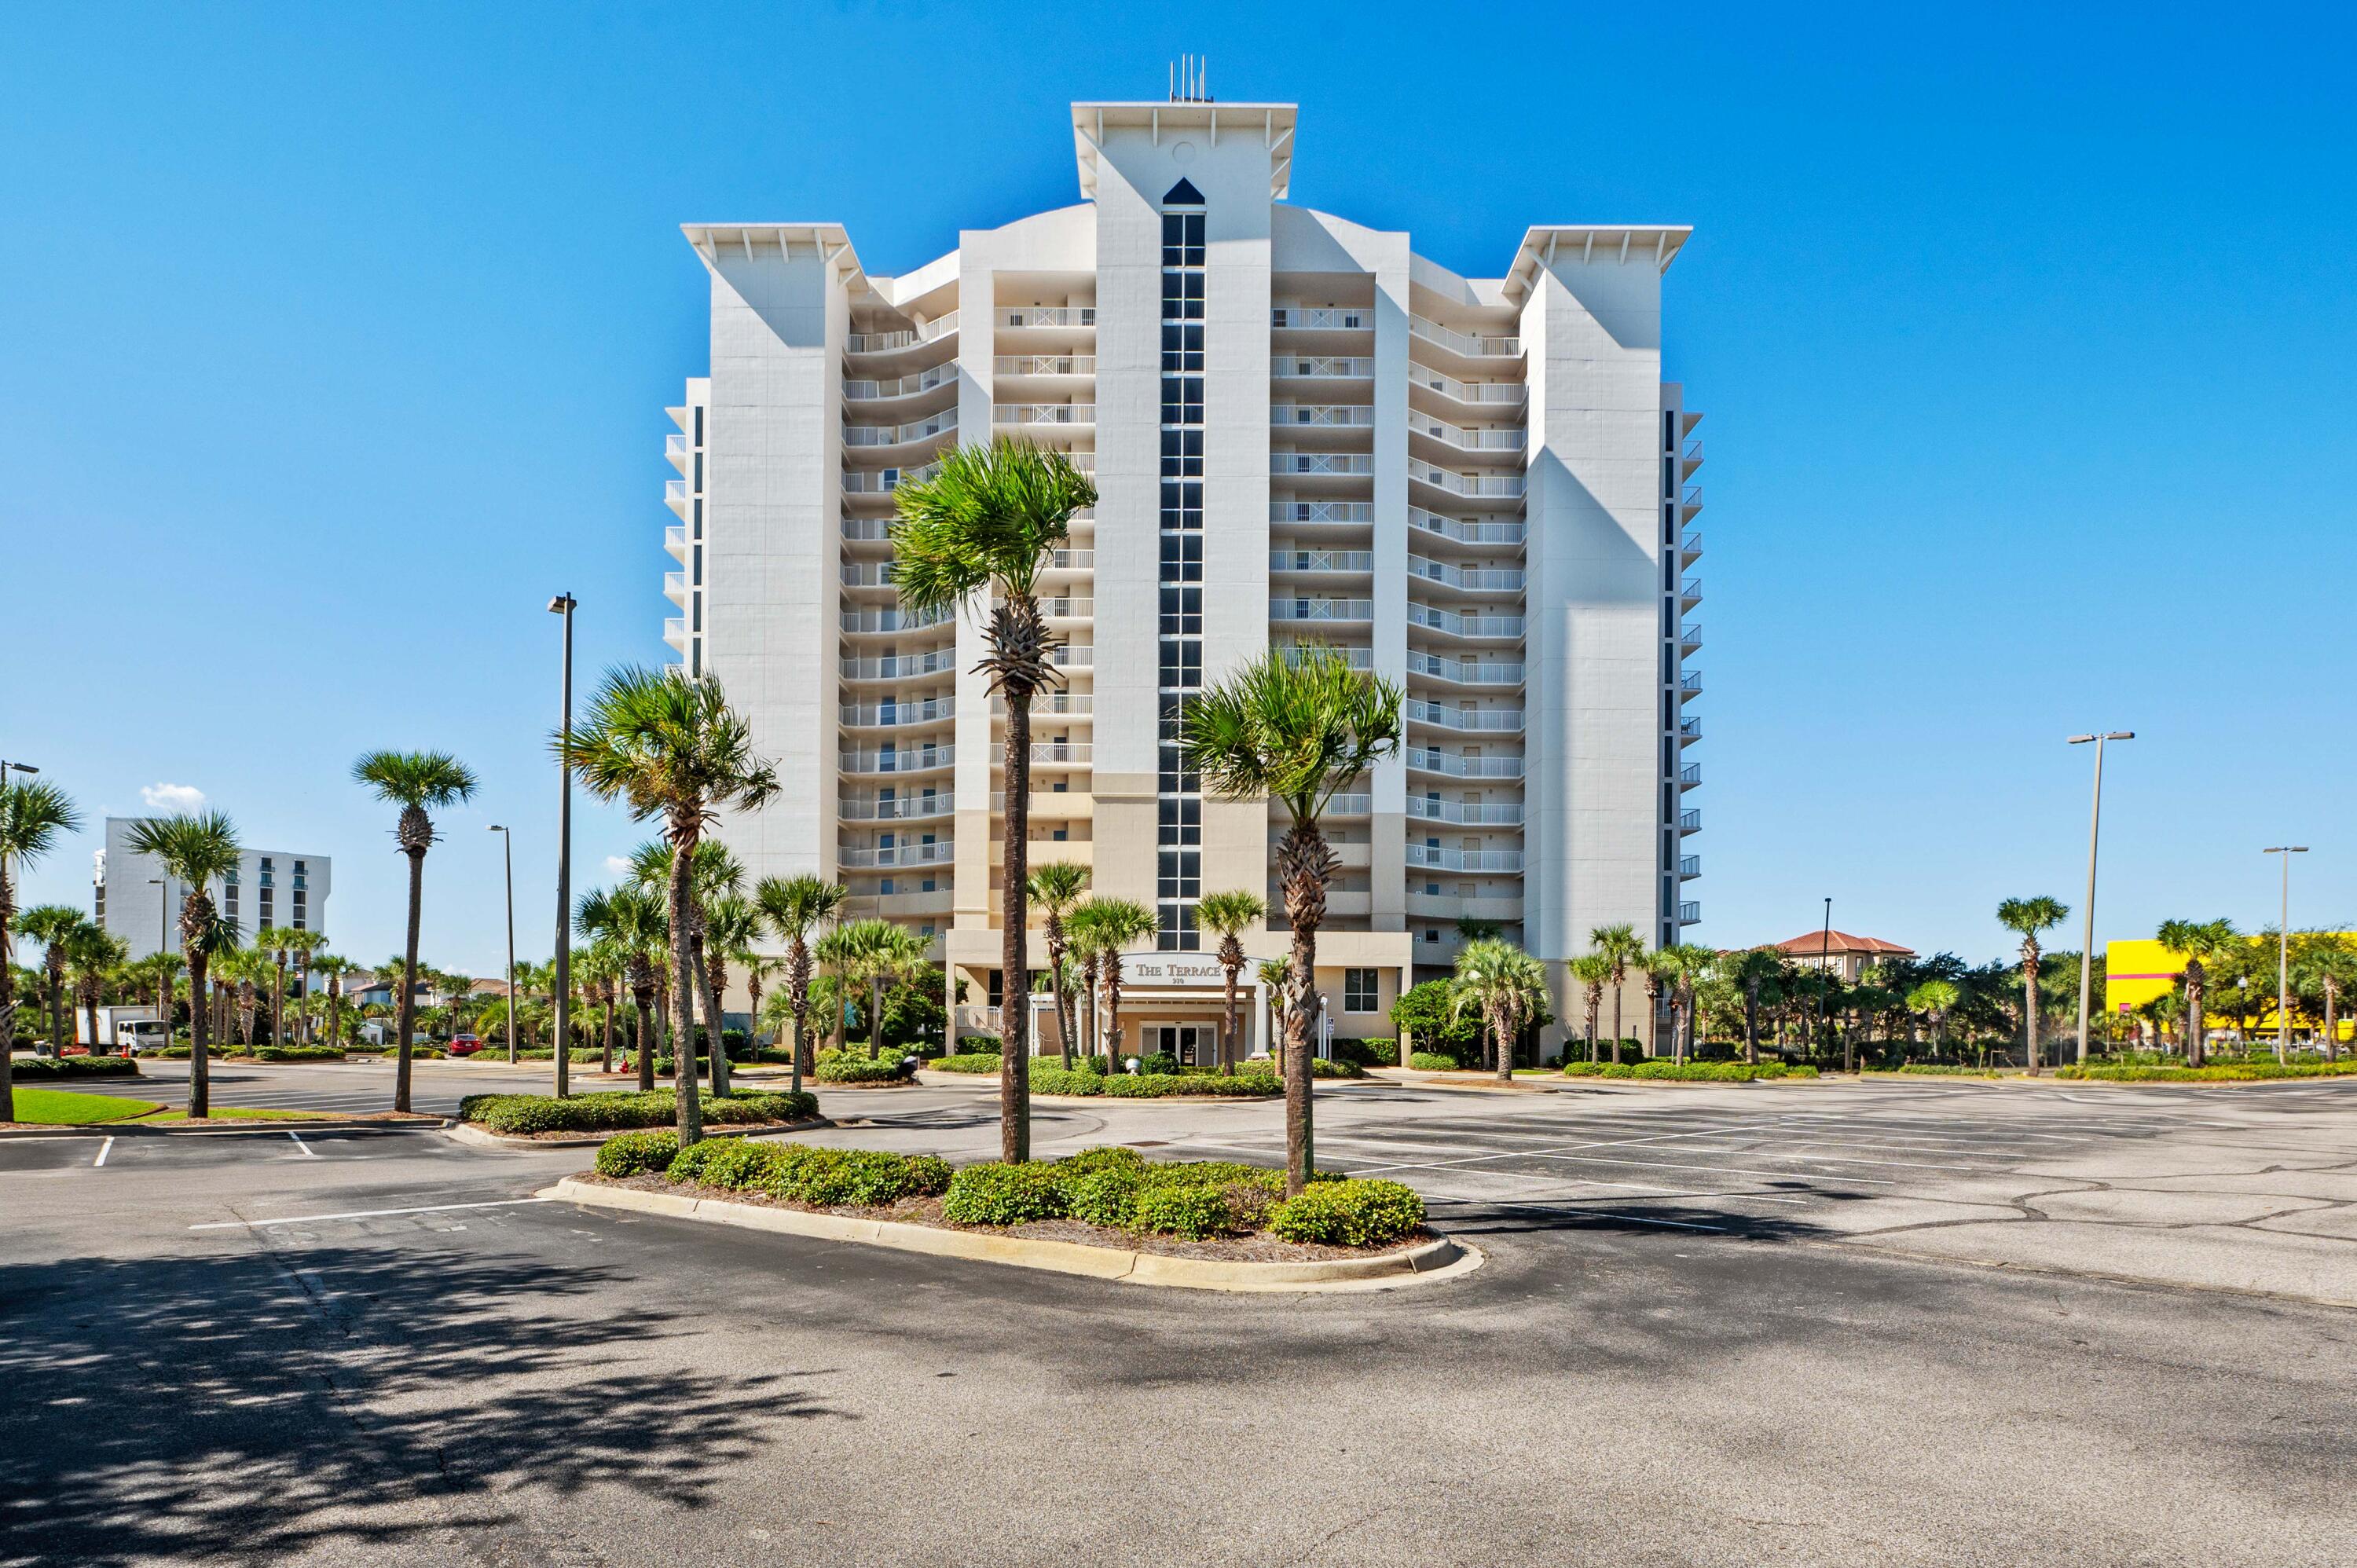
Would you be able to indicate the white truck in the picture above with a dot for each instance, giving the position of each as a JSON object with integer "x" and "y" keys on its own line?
{"x": 120, "y": 1029}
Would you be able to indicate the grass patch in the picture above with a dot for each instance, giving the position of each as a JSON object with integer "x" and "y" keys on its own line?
{"x": 1688, "y": 1072}
{"x": 65, "y": 1108}
{"x": 2231, "y": 1072}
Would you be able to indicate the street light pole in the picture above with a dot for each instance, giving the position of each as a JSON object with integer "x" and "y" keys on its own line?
{"x": 563, "y": 605}
{"x": 2095, "y": 823}
{"x": 1825, "y": 980}
{"x": 507, "y": 852}
{"x": 2283, "y": 953}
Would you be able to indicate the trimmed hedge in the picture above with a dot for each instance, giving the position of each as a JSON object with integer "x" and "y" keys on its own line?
{"x": 1372, "y": 1052}
{"x": 1431, "y": 1061}
{"x": 969, "y": 1061}
{"x": 998, "y": 1194}
{"x": 972, "y": 1045}
{"x": 1319, "y": 1066}
{"x": 22, "y": 1068}
{"x": 1117, "y": 1189}
{"x": 522, "y": 1114}
{"x": 1937, "y": 1070}
{"x": 1687, "y": 1072}
{"x": 298, "y": 1053}
{"x": 1367, "y": 1212}
{"x": 634, "y": 1153}
{"x": 859, "y": 1067}
{"x": 2231, "y": 1072}
{"x": 1205, "y": 1085}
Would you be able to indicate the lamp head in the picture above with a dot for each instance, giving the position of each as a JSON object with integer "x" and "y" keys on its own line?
{"x": 561, "y": 604}
{"x": 2081, "y": 739}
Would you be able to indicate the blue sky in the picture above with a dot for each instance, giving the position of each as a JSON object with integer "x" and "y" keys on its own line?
{"x": 334, "y": 339}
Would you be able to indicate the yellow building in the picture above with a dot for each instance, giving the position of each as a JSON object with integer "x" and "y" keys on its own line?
{"x": 2137, "y": 971}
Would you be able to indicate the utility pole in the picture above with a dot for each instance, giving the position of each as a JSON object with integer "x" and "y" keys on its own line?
{"x": 1825, "y": 982}
{"x": 2095, "y": 823}
{"x": 563, "y": 605}
{"x": 2283, "y": 953}
{"x": 507, "y": 851}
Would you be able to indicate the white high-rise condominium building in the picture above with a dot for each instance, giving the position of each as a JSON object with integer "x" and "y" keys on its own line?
{"x": 133, "y": 900}
{"x": 1301, "y": 432}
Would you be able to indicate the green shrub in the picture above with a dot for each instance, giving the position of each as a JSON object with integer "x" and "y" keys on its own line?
{"x": 981, "y": 1045}
{"x": 1936, "y": 1069}
{"x": 518, "y": 1115}
{"x": 1687, "y": 1072}
{"x": 1319, "y": 1066}
{"x": 998, "y": 1194}
{"x": 857, "y": 1067}
{"x": 722, "y": 1162}
{"x": 1368, "y": 1053}
{"x": 1188, "y": 1209}
{"x": 1048, "y": 1079}
{"x": 1102, "y": 1157}
{"x": 971, "y": 1061}
{"x": 1104, "y": 1197}
{"x": 1431, "y": 1061}
{"x": 76, "y": 1067}
{"x": 1356, "y": 1213}
{"x": 172, "y": 1053}
{"x": 2227, "y": 1072}
{"x": 1158, "y": 1062}
{"x": 298, "y": 1053}
{"x": 632, "y": 1153}
{"x": 1157, "y": 1085}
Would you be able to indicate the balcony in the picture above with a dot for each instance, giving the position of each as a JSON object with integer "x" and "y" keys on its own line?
{"x": 1689, "y": 637}
{"x": 1066, "y": 655}
{"x": 1689, "y": 730}
{"x": 866, "y": 573}
{"x": 1352, "y": 658}
{"x": 883, "y": 481}
{"x": 1469, "y": 345}
{"x": 864, "y": 622}
{"x": 1690, "y": 775}
{"x": 885, "y": 857}
{"x": 866, "y": 530}
{"x": 1476, "y": 486}
{"x": 1690, "y": 459}
{"x": 1432, "y": 759}
{"x": 1297, "y": 465}
{"x": 1691, "y": 500}
{"x": 1351, "y": 561}
{"x": 1690, "y": 547}
{"x": 1026, "y": 415}
{"x": 891, "y": 759}
{"x": 675, "y": 588}
{"x": 1689, "y": 866}
{"x": 900, "y": 666}
{"x": 675, "y": 496}
{"x": 1466, "y": 671}
{"x": 891, "y": 714}
{"x": 1689, "y": 822}
{"x": 1463, "y": 901}
{"x": 1047, "y": 705}
{"x": 1048, "y": 752}
{"x": 677, "y": 544}
{"x": 923, "y": 429}
{"x": 1030, "y": 315}
{"x": 1068, "y": 609}
{"x": 1322, "y": 511}
{"x": 899, "y": 809}
{"x": 1457, "y": 813}
{"x": 886, "y": 342}
{"x": 1321, "y": 368}
{"x": 1451, "y": 529}
{"x": 1690, "y": 593}
{"x": 675, "y": 633}
{"x": 1323, "y": 319}
{"x": 1468, "y": 721}
{"x": 1321, "y": 415}
{"x": 1689, "y": 914}
{"x": 1342, "y": 806}
{"x": 865, "y": 391}
{"x": 1464, "y": 440}
{"x": 1305, "y": 609}
{"x": 1467, "y": 862}
{"x": 1473, "y": 393}
{"x": 1468, "y": 579}
{"x": 1690, "y": 682}
{"x": 1072, "y": 560}
{"x": 1044, "y": 365}
{"x": 676, "y": 449}
{"x": 1468, "y": 626}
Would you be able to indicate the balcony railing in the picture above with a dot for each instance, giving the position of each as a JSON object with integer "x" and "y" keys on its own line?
{"x": 1463, "y": 625}
{"x": 894, "y": 435}
{"x": 1351, "y": 806}
{"x": 675, "y": 632}
{"x": 1321, "y": 415}
{"x": 1690, "y": 775}
{"x": 894, "y": 619}
{"x": 1321, "y": 560}
{"x": 675, "y": 495}
{"x": 1689, "y": 821}
{"x": 1071, "y": 560}
{"x": 900, "y": 666}
{"x": 675, "y": 587}
{"x": 1467, "y": 440}
{"x": 1692, "y": 499}
{"x": 1432, "y": 759}
{"x": 1068, "y": 609}
{"x": 1322, "y": 511}
{"x": 1323, "y": 319}
{"x": 1429, "y": 857}
{"x": 1690, "y": 635}
{"x": 1689, "y": 865}
{"x": 1073, "y": 752}
{"x": 884, "y": 342}
{"x": 1689, "y": 729}
{"x": 675, "y": 541}
{"x": 1690, "y": 546}
{"x": 866, "y": 530}
{"x": 1321, "y": 609}
{"x": 1689, "y": 680}
{"x": 1043, "y": 414}
{"x": 1689, "y": 914}
{"x": 1321, "y": 463}
{"x": 1690, "y": 590}
{"x": 1466, "y": 343}
{"x": 883, "y": 481}
{"x": 1322, "y": 367}
{"x": 1466, "y": 671}
{"x": 884, "y": 716}
{"x": 1465, "y": 532}
{"x": 1457, "y": 813}
{"x": 1468, "y": 579}
{"x": 886, "y": 856}
{"x": 1352, "y": 658}
{"x": 1048, "y": 316}
{"x": 1046, "y": 704}
{"x": 900, "y": 809}
{"x": 901, "y": 386}
{"x": 1500, "y": 487}
{"x": 865, "y": 574}
{"x": 1066, "y": 655}
{"x": 676, "y": 449}
{"x": 1500, "y": 721}
{"x": 916, "y": 759}
{"x": 1045, "y": 365}
{"x": 1466, "y": 391}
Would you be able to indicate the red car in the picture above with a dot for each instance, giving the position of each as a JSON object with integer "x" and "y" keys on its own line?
{"x": 465, "y": 1044}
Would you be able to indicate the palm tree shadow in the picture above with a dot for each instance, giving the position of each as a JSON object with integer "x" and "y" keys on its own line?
{"x": 181, "y": 1407}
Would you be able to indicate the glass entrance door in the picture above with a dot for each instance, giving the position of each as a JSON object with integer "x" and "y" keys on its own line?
{"x": 1195, "y": 1045}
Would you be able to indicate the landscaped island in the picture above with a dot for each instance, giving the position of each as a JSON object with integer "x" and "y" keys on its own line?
{"x": 538, "y": 1115}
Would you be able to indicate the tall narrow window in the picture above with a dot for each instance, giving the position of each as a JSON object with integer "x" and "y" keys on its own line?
{"x": 1179, "y": 828}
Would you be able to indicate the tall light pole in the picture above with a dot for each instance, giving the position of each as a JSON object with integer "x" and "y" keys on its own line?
{"x": 2095, "y": 825}
{"x": 1825, "y": 978}
{"x": 563, "y": 605}
{"x": 507, "y": 853}
{"x": 2282, "y": 951}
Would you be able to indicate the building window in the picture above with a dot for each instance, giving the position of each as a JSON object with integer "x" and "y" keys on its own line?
{"x": 699, "y": 425}
{"x": 699, "y": 473}
{"x": 1432, "y": 935}
{"x": 1362, "y": 993}
{"x": 1179, "y": 880}
{"x": 699, "y": 517}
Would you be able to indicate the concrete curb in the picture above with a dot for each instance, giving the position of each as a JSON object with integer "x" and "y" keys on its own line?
{"x": 468, "y": 1133}
{"x": 1443, "y": 1258}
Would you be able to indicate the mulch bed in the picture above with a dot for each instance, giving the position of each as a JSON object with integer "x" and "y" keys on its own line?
{"x": 1256, "y": 1249}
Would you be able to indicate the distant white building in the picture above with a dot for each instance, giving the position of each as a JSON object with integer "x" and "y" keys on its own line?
{"x": 133, "y": 900}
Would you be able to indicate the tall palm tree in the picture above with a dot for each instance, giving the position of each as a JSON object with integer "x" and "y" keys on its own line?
{"x": 987, "y": 522}
{"x": 713, "y": 874}
{"x": 1085, "y": 940}
{"x": 837, "y": 953}
{"x": 333, "y": 967}
{"x": 1115, "y": 924}
{"x": 1275, "y": 978}
{"x": 1754, "y": 972}
{"x": 629, "y": 921}
{"x": 33, "y": 813}
{"x": 53, "y": 926}
{"x": 1230, "y": 914}
{"x": 730, "y": 925}
{"x": 269, "y": 942}
{"x": 1503, "y": 986}
{"x": 1680, "y": 966}
{"x": 1056, "y": 888}
{"x": 94, "y": 954}
{"x": 1620, "y": 946}
{"x": 1295, "y": 731}
{"x": 2026, "y": 918}
{"x": 671, "y": 746}
{"x": 1659, "y": 974}
{"x": 196, "y": 849}
{"x": 796, "y": 906}
{"x": 2201, "y": 943}
{"x": 598, "y": 968}
{"x": 877, "y": 953}
{"x": 302, "y": 945}
{"x": 760, "y": 968}
{"x": 418, "y": 783}
{"x": 1593, "y": 972}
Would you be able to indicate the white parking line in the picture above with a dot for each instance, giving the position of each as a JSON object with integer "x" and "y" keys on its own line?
{"x": 359, "y": 1214}
{"x": 103, "y": 1148}
{"x": 304, "y": 1146}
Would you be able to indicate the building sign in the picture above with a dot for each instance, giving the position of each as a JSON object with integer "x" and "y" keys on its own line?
{"x": 1171, "y": 969}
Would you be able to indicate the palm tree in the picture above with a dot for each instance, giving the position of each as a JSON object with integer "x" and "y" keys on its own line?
{"x": 1296, "y": 731}
{"x": 760, "y": 969}
{"x": 269, "y": 942}
{"x": 1056, "y": 888}
{"x": 796, "y": 906}
{"x": 94, "y": 953}
{"x": 1682, "y": 965}
{"x": 713, "y": 874}
{"x": 416, "y": 782}
{"x": 671, "y": 746}
{"x": 1593, "y": 972}
{"x": 628, "y": 921}
{"x": 597, "y": 967}
{"x": 32, "y": 815}
{"x": 1117, "y": 923}
{"x": 196, "y": 850}
{"x": 836, "y": 952}
{"x": 1619, "y": 946}
{"x": 53, "y": 926}
{"x": 989, "y": 521}
{"x": 2201, "y": 942}
{"x": 303, "y": 944}
{"x": 334, "y": 966}
{"x": 2028, "y": 917}
{"x": 730, "y": 925}
{"x": 1754, "y": 972}
{"x": 1230, "y": 914}
{"x": 877, "y": 953}
{"x": 1504, "y": 985}
{"x": 1275, "y": 977}
{"x": 1935, "y": 998}
{"x": 1085, "y": 940}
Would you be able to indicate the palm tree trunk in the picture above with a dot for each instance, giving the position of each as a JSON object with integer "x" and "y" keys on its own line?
{"x": 875, "y": 1016}
{"x": 1015, "y": 1016}
{"x": 798, "y": 973}
{"x": 278, "y": 1005}
{"x": 708, "y": 988}
{"x": 642, "y": 1038}
{"x": 607, "y": 1003}
{"x": 1620, "y": 984}
{"x": 1505, "y": 1063}
{"x": 1112, "y": 1006}
{"x": 1305, "y": 866}
{"x": 405, "y": 1008}
{"x": 1751, "y": 1025}
{"x": 684, "y": 833}
{"x": 200, "y": 1102}
{"x": 1228, "y": 1024}
{"x": 2029, "y": 1008}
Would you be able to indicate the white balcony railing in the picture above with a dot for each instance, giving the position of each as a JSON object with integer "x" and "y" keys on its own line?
{"x": 1464, "y": 533}
{"x": 1464, "y": 814}
{"x": 1322, "y": 511}
{"x": 1486, "y": 487}
{"x": 1044, "y": 365}
{"x": 865, "y": 574}
{"x": 1321, "y": 609}
{"x": 1466, "y": 671}
{"x": 894, "y": 760}
{"x": 889, "y": 715}
{"x": 1323, "y": 319}
{"x": 675, "y": 495}
{"x": 885, "y": 342}
{"x": 893, "y": 619}
{"x": 675, "y": 587}
{"x": 926, "y": 806}
{"x": 1692, "y": 499}
{"x": 1690, "y": 547}
{"x": 1068, "y": 655}
{"x": 675, "y": 632}
{"x": 1465, "y": 440}
{"x": 1044, "y": 413}
{"x": 1052, "y": 704}
{"x": 883, "y": 481}
{"x": 1466, "y": 391}
{"x": 1431, "y": 760}
{"x": 1430, "y": 857}
{"x": 1468, "y": 579}
{"x": 1048, "y": 316}
{"x": 1321, "y": 463}
{"x": 1351, "y": 806}
{"x": 900, "y": 666}
{"x": 1068, "y": 609}
{"x": 1471, "y": 346}
{"x": 1321, "y": 560}
{"x": 896, "y": 435}
{"x": 1070, "y": 753}
{"x": 1352, "y": 658}
{"x": 1690, "y": 592}
{"x": 939, "y": 852}
{"x": 1322, "y": 367}
{"x": 866, "y": 530}
{"x": 1690, "y": 635}
{"x": 1463, "y": 625}
{"x": 1470, "y": 721}
{"x": 859, "y": 389}
{"x": 1321, "y": 415}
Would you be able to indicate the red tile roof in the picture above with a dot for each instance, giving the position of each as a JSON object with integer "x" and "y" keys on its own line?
{"x": 1810, "y": 944}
